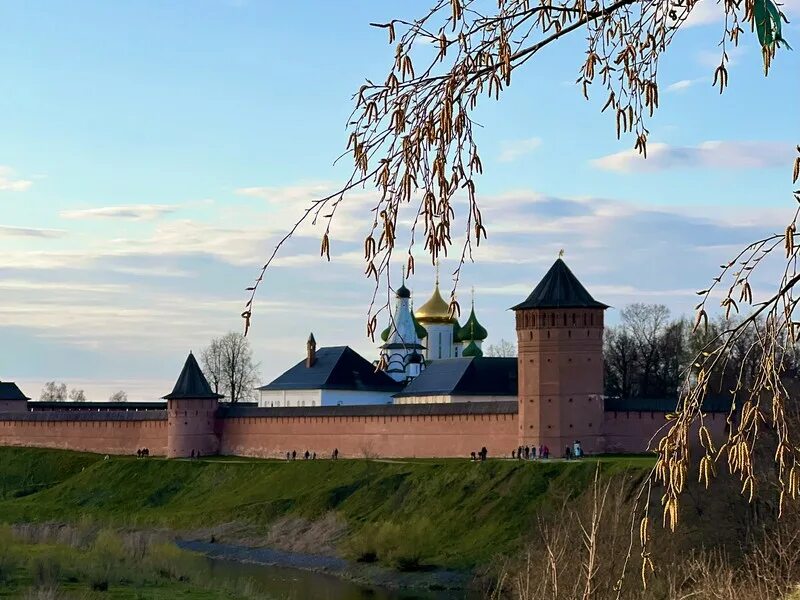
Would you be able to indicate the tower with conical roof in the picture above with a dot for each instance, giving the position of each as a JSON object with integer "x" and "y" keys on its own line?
{"x": 402, "y": 342}
{"x": 191, "y": 414}
{"x": 560, "y": 340}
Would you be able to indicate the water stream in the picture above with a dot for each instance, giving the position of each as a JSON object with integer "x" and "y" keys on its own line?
{"x": 282, "y": 582}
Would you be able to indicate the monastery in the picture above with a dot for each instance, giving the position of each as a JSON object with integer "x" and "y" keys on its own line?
{"x": 434, "y": 395}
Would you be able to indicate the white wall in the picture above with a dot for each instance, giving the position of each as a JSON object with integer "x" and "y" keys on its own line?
{"x": 336, "y": 397}
{"x": 275, "y": 398}
{"x": 443, "y": 399}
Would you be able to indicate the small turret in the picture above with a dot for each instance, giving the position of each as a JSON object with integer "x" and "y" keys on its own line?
{"x": 191, "y": 414}
{"x": 311, "y": 351}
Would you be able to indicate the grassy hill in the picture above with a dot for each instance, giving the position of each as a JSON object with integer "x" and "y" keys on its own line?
{"x": 455, "y": 513}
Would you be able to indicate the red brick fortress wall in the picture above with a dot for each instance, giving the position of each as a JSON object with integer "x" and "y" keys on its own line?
{"x": 102, "y": 432}
{"x": 632, "y": 431}
{"x": 436, "y": 431}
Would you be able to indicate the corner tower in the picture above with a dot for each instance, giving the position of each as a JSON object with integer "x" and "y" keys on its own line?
{"x": 191, "y": 413}
{"x": 560, "y": 341}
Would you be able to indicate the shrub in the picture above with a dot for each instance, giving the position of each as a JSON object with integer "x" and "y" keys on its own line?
{"x": 400, "y": 546}
{"x": 45, "y": 570}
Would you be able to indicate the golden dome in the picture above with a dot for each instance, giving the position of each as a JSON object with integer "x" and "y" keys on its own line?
{"x": 435, "y": 310}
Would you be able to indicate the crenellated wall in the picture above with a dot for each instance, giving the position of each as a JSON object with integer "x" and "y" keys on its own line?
{"x": 102, "y": 432}
{"x": 392, "y": 431}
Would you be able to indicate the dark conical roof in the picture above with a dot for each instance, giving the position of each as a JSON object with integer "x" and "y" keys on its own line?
{"x": 191, "y": 384}
{"x": 559, "y": 288}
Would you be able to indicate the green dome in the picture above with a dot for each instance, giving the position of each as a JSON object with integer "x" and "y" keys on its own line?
{"x": 472, "y": 330}
{"x": 422, "y": 333}
{"x": 472, "y": 350}
{"x": 456, "y": 332}
{"x": 385, "y": 333}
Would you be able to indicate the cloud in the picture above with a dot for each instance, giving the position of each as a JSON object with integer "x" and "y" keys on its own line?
{"x": 132, "y": 306}
{"x": 512, "y": 150}
{"x": 707, "y": 155}
{"x": 9, "y": 183}
{"x": 684, "y": 84}
{"x": 134, "y": 212}
{"x": 34, "y": 232}
{"x": 709, "y": 12}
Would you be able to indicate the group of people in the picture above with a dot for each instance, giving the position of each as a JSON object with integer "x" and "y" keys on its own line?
{"x": 574, "y": 451}
{"x": 311, "y": 455}
{"x": 480, "y": 455}
{"x": 529, "y": 452}
{"x": 143, "y": 453}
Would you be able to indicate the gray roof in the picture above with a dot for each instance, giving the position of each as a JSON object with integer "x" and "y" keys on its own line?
{"x": 76, "y": 415}
{"x": 559, "y": 288}
{"x": 10, "y": 391}
{"x": 472, "y": 376}
{"x": 376, "y": 410}
{"x": 191, "y": 384}
{"x": 335, "y": 368}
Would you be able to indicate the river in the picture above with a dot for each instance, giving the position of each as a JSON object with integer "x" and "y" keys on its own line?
{"x": 292, "y": 583}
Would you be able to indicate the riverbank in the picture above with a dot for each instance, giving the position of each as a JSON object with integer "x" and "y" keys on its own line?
{"x": 410, "y": 516}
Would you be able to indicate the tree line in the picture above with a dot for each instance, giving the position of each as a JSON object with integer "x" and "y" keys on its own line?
{"x": 649, "y": 353}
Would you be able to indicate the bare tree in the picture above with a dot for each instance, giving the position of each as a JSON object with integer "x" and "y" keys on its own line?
{"x": 228, "y": 365}
{"x": 53, "y": 392}
{"x": 501, "y": 349}
{"x": 77, "y": 395}
{"x": 211, "y": 358}
{"x": 120, "y": 396}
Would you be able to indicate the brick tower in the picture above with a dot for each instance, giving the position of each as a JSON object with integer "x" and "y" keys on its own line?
{"x": 560, "y": 341}
{"x": 191, "y": 414}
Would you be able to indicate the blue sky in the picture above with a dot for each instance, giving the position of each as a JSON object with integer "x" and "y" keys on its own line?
{"x": 153, "y": 152}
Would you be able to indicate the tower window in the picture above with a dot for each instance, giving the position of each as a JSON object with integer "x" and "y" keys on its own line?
{"x": 565, "y": 319}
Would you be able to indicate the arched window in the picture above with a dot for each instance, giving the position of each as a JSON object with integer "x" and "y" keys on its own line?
{"x": 584, "y": 319}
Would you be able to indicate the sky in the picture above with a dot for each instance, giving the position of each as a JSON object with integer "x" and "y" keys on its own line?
{"x": 152, "y": 153}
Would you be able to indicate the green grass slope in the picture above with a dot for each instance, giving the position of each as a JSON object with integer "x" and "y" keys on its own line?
{"x": 461, "y": 513}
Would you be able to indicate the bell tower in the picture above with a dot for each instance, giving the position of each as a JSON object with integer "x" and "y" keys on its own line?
{"x": 560, "y": 340}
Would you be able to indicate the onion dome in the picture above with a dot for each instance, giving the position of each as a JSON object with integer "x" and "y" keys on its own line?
{"x": 472, "y": 350}
{"x": 422, "y": 333}
{"x": 472, "y": 329}
{"x": 435, "y": 310}
{"x": 403, "y": 292}
{"x": 457, "y": 332}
